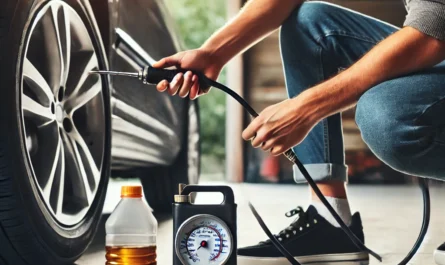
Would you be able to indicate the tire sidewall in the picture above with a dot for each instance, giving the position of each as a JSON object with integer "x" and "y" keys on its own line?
{"x": 67, "y": 243}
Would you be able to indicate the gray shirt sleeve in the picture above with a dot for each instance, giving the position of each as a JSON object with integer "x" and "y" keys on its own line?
{"x": 427, "y": 16}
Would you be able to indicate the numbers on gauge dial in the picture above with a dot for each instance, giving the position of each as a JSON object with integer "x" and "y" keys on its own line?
{"x": 204, "y": 239}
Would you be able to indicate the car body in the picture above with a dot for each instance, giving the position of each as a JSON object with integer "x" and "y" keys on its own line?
{"x": 66, "y": 131}
{"x": 147, "y": 28}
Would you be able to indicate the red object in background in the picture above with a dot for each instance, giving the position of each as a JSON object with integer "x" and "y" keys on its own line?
{"x": 270, "y": 168}
{"x": 361, "y": 161}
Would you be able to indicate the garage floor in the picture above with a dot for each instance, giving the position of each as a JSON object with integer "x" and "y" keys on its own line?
{"x": 391, "y": 216}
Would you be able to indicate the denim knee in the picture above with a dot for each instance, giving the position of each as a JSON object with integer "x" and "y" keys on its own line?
{"x": 305, "y": 18}
{"x": 389, "y": 134}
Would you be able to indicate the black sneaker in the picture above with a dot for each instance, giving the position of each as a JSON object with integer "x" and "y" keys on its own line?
{"x": 311, "y": 240}
{"x": 439, "y": 255}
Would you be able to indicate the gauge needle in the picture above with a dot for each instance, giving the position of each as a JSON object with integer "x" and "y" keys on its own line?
{"x": 203, "y": 244}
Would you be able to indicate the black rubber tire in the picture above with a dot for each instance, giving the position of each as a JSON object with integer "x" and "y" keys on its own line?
{"x": 27, "y": 235}
{"x": 161, "y": 183}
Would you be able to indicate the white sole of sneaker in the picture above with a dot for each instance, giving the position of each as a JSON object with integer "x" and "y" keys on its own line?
{"x": 439, "y": 257}
{"x": 359, "y": 258}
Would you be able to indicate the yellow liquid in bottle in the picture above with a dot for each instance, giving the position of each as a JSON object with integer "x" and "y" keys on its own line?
{"x": 131, "y": 255}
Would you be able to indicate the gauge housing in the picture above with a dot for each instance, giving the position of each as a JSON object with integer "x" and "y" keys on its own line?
{"x": 186, "y": 212}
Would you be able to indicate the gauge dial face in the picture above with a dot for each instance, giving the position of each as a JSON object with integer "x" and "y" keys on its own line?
{"x": 203, "y": 239}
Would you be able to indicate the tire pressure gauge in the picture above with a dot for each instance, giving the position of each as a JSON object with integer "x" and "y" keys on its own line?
{"x": 204, "y": 234}
{"x": 203, "y": 239}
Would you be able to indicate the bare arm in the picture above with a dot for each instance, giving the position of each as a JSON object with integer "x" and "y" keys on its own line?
{"x": 286, "y": 124}
{"x": 256, "y": 20}
{"x": 406, "y": 51}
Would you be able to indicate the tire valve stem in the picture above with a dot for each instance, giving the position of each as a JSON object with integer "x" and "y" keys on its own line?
{"x": 137, "y": 75}
{"x": 141, "y": 74}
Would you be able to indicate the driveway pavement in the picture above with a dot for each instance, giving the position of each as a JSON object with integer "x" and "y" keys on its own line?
{"x": 391, "y": 217}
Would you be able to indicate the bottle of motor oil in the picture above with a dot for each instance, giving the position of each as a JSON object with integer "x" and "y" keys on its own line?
{"x": 131, "y": 230}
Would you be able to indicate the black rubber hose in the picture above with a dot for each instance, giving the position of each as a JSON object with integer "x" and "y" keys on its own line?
{"x": 293, "y": 158}
{"x": 423, "y": 184}
{"x": 155, "y": 75}
{"x": 273, "y": 239}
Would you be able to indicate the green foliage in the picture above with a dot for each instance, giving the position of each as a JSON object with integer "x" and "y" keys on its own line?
{"x": 197, "y": 20}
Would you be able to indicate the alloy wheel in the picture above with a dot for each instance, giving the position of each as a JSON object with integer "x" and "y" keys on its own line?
{"x": 63, "y": 112}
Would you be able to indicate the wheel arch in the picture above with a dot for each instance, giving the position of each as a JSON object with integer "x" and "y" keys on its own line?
{"x": 102, "y": 11}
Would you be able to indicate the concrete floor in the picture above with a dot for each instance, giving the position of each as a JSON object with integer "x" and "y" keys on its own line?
{"x": 391, "y": 217}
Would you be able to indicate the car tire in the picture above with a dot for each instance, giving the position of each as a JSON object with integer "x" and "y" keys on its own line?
{"x": 43, "y": 222}
{"x": 161, "y": 183}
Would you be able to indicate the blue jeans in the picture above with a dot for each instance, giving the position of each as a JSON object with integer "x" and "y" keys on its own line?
{"x": 402, "y": 120}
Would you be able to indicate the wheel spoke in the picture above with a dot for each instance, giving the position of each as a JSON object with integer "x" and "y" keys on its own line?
{"x": 39, "y": 114}
{"x": 59, "y": 28}
{"x": 52, "y": 46}
{"x": 49, "y": 184}
{"x": 61, "y": 188}
{"x": 43, "y": 147}
{"x": 36, "y": 82}
{"x": 62, "y": 26}
{"x": 79, "y": 99}
{"x": 67, "y": 42}
{"x": 83, "y": 172}
{"x": 80, "y": 76}
{"x": 87, "y": 157}
{"x": 74, "y": 167}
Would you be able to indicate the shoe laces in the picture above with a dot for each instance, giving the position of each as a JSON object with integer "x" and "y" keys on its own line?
{"x": 298, "y": 225}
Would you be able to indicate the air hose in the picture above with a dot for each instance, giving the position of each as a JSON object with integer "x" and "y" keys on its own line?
{"x": 290, "y": 155}
{"x": 155, "y": 75}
